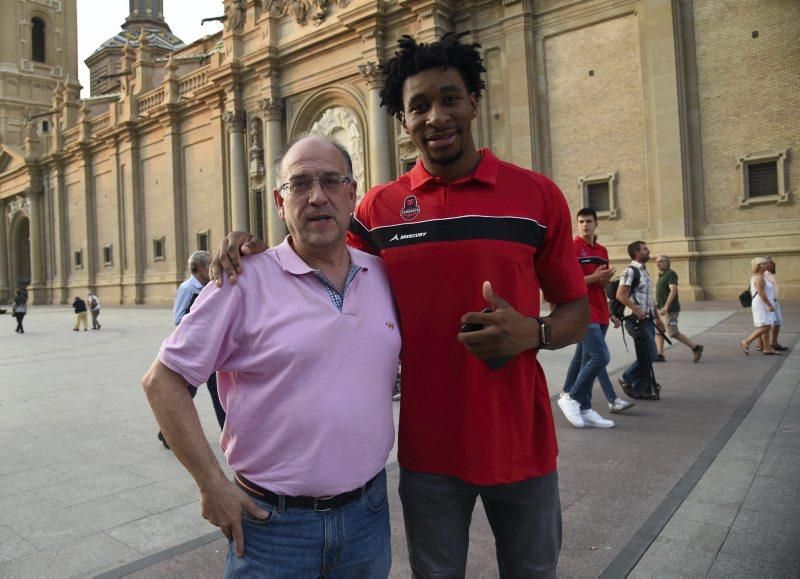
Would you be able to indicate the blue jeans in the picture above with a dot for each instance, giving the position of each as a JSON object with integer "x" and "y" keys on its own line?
{"x": 632, "y": 374}
{"x": 525, "y": 518}
{"x": 589, "y": 362}
{"x": 349, "y": 541}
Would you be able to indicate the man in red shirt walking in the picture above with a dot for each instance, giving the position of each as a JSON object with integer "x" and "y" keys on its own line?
{"x": 591, "y": 355}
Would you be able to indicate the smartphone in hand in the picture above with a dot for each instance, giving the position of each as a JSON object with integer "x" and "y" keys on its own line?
{"x": 493, "y": 363}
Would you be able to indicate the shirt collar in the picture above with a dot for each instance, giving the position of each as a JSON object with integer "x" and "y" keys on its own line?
{"x": 195, "y": 283}
{"x": 485, "y": 172}
{"x": 293, "y": 263}
{"x": 580, "y": 240}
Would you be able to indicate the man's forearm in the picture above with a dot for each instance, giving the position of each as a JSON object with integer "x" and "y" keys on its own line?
{"x": 568, "y": 323}
{"x": 176, "y": 414}
{"x": 625, "y": 300}
{"x": 673, "y": 293}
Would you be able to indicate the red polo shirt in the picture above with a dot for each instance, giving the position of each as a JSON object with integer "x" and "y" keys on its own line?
{"x": 439, "y": 242}
{"x": 590, "y": 257}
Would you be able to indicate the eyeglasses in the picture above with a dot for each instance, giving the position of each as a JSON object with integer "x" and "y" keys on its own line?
{"x": 329, "y": 184}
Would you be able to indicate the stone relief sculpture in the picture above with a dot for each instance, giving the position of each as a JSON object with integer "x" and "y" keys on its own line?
{"x": 236, "y": 13}
{"x": 302, "y": 10}
{"x": 256, "y": 152}
{"x": 342, "y": 124}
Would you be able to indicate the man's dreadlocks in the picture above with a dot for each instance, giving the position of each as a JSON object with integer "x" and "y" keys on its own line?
{"x": 413, "y": 58}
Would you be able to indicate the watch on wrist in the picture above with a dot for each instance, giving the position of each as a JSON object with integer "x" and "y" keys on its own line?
{"x": 544, "y": 333}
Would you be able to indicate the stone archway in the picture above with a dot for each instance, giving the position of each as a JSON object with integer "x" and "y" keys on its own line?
{"x": 20, "y": 252}
{"x": 342, "y": 124}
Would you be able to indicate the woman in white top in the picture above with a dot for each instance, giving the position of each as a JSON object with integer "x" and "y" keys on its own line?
{"x": 763, "y": 306}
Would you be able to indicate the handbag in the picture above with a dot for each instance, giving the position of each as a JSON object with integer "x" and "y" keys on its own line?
{"x": 746, "y": 298}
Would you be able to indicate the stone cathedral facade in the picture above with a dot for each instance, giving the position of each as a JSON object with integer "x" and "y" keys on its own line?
{"x": 678, "y": 120}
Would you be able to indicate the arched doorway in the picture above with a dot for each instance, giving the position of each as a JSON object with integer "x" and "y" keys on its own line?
{"x": 343, "y": 125}
{"x": 20, "y": 252}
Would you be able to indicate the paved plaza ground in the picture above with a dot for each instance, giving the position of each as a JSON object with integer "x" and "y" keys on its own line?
{"x": 705, "y": 482}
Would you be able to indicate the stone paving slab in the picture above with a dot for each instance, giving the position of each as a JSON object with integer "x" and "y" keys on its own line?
{"x": 74, "y": 413}
{"x": 748, "y": 502}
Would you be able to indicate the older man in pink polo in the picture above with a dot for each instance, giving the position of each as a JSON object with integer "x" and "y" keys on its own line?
{"x": 306, "y": 348}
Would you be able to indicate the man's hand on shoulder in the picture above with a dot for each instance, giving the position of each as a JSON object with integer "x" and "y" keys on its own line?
{"x": 228, "y": 258}
{"x": 221, "y": 504}
{"x": 505, "y": 331}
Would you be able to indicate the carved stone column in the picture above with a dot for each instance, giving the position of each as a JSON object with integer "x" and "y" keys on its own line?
{"x": 380, "y": 168}
{"x": 37, "y": 289}
{"x": 273, "y": 142}
{"x": 4, "y": 251}
{"x": 238, "y": 169}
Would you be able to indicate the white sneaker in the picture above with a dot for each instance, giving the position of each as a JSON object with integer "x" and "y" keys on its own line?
{"x": 571, "y": 410}
{"x": 592, "y": 418}
{"x": 620, "y": 405}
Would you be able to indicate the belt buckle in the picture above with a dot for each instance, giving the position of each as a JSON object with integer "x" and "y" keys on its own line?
{"x": 319, "y": 500}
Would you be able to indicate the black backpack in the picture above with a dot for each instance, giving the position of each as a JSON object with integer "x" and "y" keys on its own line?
{"x": 746, "y": 298}
{"x": 616, "y": 307}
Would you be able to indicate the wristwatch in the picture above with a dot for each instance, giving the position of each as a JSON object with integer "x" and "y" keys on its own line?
{"x": 544, "y": 333}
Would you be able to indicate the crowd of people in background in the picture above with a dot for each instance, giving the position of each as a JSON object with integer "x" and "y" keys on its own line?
{"x": 82, "y": 309}
{"x": 650, "y": 316}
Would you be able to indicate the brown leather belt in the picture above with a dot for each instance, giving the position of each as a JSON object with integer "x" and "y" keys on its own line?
{"x": 319, "y": 504}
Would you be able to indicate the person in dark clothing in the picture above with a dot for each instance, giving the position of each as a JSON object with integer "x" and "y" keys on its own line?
{"x": 20, "y": 309}
{"x": 81, "y": 316}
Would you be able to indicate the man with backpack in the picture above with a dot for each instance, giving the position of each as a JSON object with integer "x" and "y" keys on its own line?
{"x": 94, "y": 308}
{"x": 635, "y": 292}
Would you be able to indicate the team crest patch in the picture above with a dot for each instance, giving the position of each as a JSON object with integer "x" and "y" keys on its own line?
{"x": 410, "y": 208}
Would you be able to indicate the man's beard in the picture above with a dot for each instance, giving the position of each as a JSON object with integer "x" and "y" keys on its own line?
{"x": 455, "y": 157}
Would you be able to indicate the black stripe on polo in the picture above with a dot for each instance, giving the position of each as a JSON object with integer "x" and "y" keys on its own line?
{"x": 357, "y": 228}
{"x": 515, "y": 229}
{"x": 592, "y": 259}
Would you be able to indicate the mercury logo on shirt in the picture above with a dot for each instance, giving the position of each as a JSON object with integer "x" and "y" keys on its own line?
{"x": 398, "y": 237}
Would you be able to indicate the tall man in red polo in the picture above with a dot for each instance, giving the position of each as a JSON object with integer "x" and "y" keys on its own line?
{"x": 460, "y": 232}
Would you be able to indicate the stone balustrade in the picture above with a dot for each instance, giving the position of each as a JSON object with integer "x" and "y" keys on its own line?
{"x": 151, "y": 99}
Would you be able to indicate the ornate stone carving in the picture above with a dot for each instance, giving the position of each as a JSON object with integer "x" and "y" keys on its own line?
{"x": 256, "y": 151}
{"x": 371, "y": 73}
{"x": 272, "y": 107}
{"x": 302, "y": 10}
{"x": 17, "y": 204}
{"x": 235, "y": 14}
{"x": 234, "y": 120}
{"x": 342, "y": 124}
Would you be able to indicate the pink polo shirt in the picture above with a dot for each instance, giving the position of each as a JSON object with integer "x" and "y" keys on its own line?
{"x": 307, "y": 389}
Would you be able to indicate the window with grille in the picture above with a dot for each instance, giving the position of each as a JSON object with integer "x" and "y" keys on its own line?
{"x": 108, "y": 255}
{"x": 159, "y": 249}
{"x": 77, "y": 259}
{"x": 764, "y": 178}
{"x": 598, "y": 191}
{"x": 202, "y": 240}
{"x": 597, "y": 195}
